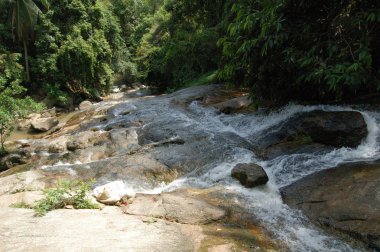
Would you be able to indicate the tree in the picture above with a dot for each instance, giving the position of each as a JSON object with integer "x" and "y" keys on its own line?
{"x": 12, "y": 103}
{"x": 24, "y": 17}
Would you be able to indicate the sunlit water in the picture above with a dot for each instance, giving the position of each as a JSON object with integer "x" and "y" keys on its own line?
{"x": 288, "y": 225}
{"x": 265, "y": 202}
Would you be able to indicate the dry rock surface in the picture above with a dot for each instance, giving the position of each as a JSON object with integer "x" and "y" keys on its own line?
{"x": 44, "y": 124}
{"x": 91, "y": 230}
{"x": 85, "y": 105}
{"x": 175, "y": 207}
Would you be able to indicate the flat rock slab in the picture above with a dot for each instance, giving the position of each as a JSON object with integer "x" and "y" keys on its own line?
{"x": 344, "y": 199}
{"x": 27, "y": 197}
{"x": 175, "y": 207}
{"x": 21, "y": 182}
{"x": 91, "y": 230}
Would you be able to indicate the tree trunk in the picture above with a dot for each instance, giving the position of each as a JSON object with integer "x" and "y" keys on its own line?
{"x": 26, "y": 61}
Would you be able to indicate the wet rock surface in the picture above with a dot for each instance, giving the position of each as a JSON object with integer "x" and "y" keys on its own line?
{"x": 249, "y": 175}
{"x": 11, "y": 160}
{"x": 149, "y": 142}
{"x": 310, "y": 130}
{"x": 345, "y": 199}
{"x": 233, "y": 105}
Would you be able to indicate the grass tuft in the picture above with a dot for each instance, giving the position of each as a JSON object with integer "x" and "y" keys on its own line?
{"x": 66, "y": 193}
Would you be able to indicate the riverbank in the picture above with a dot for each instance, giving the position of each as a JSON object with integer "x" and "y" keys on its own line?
{"x": 187, "y": 143}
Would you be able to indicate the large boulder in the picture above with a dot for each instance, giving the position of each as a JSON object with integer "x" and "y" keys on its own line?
{"x": 24, "y": 124}
{"x": 139, "y": 169}
{"x": 85, "y": 105}
{"x": 233, "y": 105}
{"x": 49, "y": 113}
{"x": 345, "y": 199}
{"x": 311, "y": 130}
{"x": 58, "y": 144}
{"x": 84, "y": 139}
{"x": 113, "y": 192}
{"x": 11, "y": 160}
{"x": 249, "y": 175}
{"x": 44, "y": 124}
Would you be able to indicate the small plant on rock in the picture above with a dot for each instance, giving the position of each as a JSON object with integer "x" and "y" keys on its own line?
{"x": 67, "y": 193}
{"x": 21, "y": 205}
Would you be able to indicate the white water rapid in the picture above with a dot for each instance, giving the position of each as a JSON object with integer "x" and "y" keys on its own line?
{"x": 265, "y": 202}
{"x": 168, "y": 119}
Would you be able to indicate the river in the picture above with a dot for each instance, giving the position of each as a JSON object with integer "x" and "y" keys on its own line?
{"x": 225, "y": 141}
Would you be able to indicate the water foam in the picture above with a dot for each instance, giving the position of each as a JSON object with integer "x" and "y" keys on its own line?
{"x": 265, "y": 202}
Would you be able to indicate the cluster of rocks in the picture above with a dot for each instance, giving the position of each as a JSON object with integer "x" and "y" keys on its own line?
{"x": 345, "y": 199}
{"x": 39, "y": 122}
{"x": 164, "y": 149}
{"x": 46, "y": 120}
{"x": 168, "y": 222}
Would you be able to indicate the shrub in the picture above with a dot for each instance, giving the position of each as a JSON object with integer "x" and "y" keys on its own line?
{"x": 13, "y": 105}
{"x": 66, "y": 193}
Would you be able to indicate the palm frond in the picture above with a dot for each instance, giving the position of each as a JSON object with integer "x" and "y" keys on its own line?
{"x": 24, "y": 18}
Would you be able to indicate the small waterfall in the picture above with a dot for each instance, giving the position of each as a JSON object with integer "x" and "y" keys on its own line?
{"x": 265, "y": 202}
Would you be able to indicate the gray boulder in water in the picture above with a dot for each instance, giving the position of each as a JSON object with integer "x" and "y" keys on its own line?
{"x": 344, "y": 199}
{"x": 311, "y": 130}
{"x": 249, "y": 175}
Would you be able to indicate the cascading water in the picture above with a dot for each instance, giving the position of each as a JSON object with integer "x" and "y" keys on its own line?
{"x": 265, "y": 202}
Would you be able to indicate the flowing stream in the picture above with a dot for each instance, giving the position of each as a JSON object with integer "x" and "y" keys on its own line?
{"x": 265, "y": 203}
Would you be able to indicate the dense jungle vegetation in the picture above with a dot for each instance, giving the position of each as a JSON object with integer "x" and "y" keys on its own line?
{"x": 282, "y": 50}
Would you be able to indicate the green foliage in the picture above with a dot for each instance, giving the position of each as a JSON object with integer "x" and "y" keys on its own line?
{"x": 21, "y": 205}
{"x": 13, "y": 103}
{"x": 24, "y": 16}
{"x": 79, "y": 47}
{"x": 303, "y": 49}
{"x": 67, "y": 192}
{"x": 181, "y": 43}
{"x": 204, "y": 79}
{"x": 282, "y": 50}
